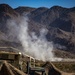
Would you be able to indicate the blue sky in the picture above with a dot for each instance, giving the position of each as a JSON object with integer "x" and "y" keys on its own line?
{"x": 39, "y": 3}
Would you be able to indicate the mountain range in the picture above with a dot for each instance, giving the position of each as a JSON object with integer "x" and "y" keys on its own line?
{"x": 59, "y": 21}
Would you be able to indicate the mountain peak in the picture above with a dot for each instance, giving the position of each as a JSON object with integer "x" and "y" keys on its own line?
{"x": 5, "y": 7}
{"x": 72, "y": 9}
{"x": 42, "y": 8}
{"x": 23, "y": 9}
{"x": 57, "y": 7}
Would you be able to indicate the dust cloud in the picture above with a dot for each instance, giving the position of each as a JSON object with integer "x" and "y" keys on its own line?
{"x": 33, "y": 45}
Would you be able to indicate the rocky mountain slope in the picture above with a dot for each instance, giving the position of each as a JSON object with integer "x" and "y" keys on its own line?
{"x": 6, "y": 12}
{"x": 59, "y": 21}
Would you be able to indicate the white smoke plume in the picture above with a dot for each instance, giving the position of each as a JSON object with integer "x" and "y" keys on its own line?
{"x": 35, "y": 46}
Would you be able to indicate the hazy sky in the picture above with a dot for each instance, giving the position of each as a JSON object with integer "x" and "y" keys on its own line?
{"x": 39, "y": 3}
